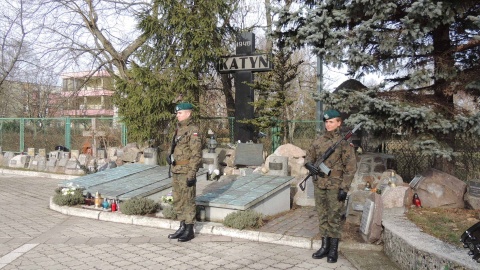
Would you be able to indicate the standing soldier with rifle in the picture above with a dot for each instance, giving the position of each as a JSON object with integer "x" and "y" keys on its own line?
{"x": 332, "y": 151}
{"x": 185, "y": 158}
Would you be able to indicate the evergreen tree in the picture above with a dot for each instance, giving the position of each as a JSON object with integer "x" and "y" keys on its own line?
{"x": 185, "y": 40}
{"x": 426, "y": 51}
{"x": 273, "y": 87}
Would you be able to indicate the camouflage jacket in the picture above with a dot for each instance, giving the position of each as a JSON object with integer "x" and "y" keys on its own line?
{"x": 188, "y": 149}
{"x": 342, "y": 161}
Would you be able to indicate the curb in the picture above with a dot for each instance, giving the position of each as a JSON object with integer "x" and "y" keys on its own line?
{"x": 38, "y": 174}
{"x": 211, "y": 228}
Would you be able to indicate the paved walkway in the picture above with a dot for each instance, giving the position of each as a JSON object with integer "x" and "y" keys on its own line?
{"x": 34, "y": 237}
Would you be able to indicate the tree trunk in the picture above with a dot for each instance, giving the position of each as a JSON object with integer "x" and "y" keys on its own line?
{"x": 443, "y": 63}
{"x": 227, "y": 91}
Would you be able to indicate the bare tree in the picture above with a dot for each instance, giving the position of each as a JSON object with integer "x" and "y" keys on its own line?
{"x": 94, "y": 34}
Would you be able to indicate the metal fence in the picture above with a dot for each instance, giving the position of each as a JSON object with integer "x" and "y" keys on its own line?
{"x": 18, "y": 134}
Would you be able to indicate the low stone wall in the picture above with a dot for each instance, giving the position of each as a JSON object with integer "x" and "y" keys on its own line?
{"x": 407, "y": 246}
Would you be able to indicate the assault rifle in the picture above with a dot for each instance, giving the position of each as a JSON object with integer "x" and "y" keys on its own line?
{"x": 319, "y": 164}
{"x": 471, "y": 240}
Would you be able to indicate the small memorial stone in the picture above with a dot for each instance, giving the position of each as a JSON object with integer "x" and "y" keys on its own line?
{"x": 31, "y": 152}
{"x": 111, "y": 152}
{"x": 249, "y": 154}
{"x": 367, "y": 216}
{"x": 75, "y": 153}
{"x": 51, "y": 163}
{"x": 278, "y": 165}
{"x": 474, "y": 188}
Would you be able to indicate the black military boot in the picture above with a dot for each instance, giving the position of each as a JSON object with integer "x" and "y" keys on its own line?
{"x": 188, "y": 234}
{"x": 179, "y": 232}
{"x": 323, "y": 251}
{"x": 333, "y": 253}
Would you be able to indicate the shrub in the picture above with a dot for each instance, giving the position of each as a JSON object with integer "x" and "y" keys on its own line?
{"x": 138, "y": 206}
{"x": 168, "y": 212}
{"x": 70, "y": 197}
{"x": 244, "y": 220}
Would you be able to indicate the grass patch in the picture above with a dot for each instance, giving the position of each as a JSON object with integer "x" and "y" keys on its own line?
{"x": 444, "y": 224}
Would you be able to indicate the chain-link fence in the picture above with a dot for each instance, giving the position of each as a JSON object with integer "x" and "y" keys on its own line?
{"x": 18, "y": 134}
{"x": 410, "y": 161}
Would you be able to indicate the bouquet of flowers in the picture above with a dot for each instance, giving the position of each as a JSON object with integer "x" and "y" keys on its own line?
{"x": 168, "y": 198}
{"x": 69, "y": 189}
{"x": 69, "y": 195}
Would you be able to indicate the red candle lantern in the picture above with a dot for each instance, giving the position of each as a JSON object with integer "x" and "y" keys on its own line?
{"x": 114, "y": 206}
{"x": 416, "y": 200}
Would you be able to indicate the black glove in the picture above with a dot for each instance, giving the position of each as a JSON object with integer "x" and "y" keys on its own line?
{"x": 313, "y": 170}
{"x": 342, "y": 195}
{"x": 191, "y": 182}
{"x": 169, "y": 159}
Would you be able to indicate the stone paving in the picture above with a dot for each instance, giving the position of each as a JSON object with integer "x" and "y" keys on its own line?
{"x": 34, "y": 237}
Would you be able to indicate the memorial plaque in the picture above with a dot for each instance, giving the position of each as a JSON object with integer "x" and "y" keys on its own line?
{"x": 53, "y": 155}
{"x": 367, "y": 217}
{"x": 42, "y": 152}
{"x": 275, "y": 166}
{"x": 474, "y": 188}
{"x": 249, "y": 154}
{"x": 63, "y": 154}
{"x": 416, "y": 180}
{"x": 147, "y": 155}
{"x": 31, "y": 152}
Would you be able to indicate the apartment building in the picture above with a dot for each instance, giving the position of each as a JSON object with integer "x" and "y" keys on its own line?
{"x": 88, "y": 94}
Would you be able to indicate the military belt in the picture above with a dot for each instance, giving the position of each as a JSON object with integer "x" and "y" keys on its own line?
{"x": 182, "y": 162}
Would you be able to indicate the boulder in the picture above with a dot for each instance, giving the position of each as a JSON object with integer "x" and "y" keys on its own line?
{"x": 356, "y": 201}
{"x": 439, "y": 189}
{"x": 394, "y": 197}
{"x": 296, "y": 157}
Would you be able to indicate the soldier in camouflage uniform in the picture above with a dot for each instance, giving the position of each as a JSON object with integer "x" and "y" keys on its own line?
{"x": 330, "y": 191}
{"x": 185, "y": 160}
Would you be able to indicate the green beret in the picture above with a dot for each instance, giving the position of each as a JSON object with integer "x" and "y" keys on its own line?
{"x": 330, "y": 114}
{"x": 183, "y": 106}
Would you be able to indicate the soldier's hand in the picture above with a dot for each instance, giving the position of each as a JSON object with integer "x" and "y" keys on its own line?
{"x": 191, "y": 182}
{"x": 342, "y": 195}
{"x": 313, "y": 170}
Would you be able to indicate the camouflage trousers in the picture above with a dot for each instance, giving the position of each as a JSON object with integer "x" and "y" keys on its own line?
{"x": 329, "y": 211}
{"x": 183, "y": 199}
